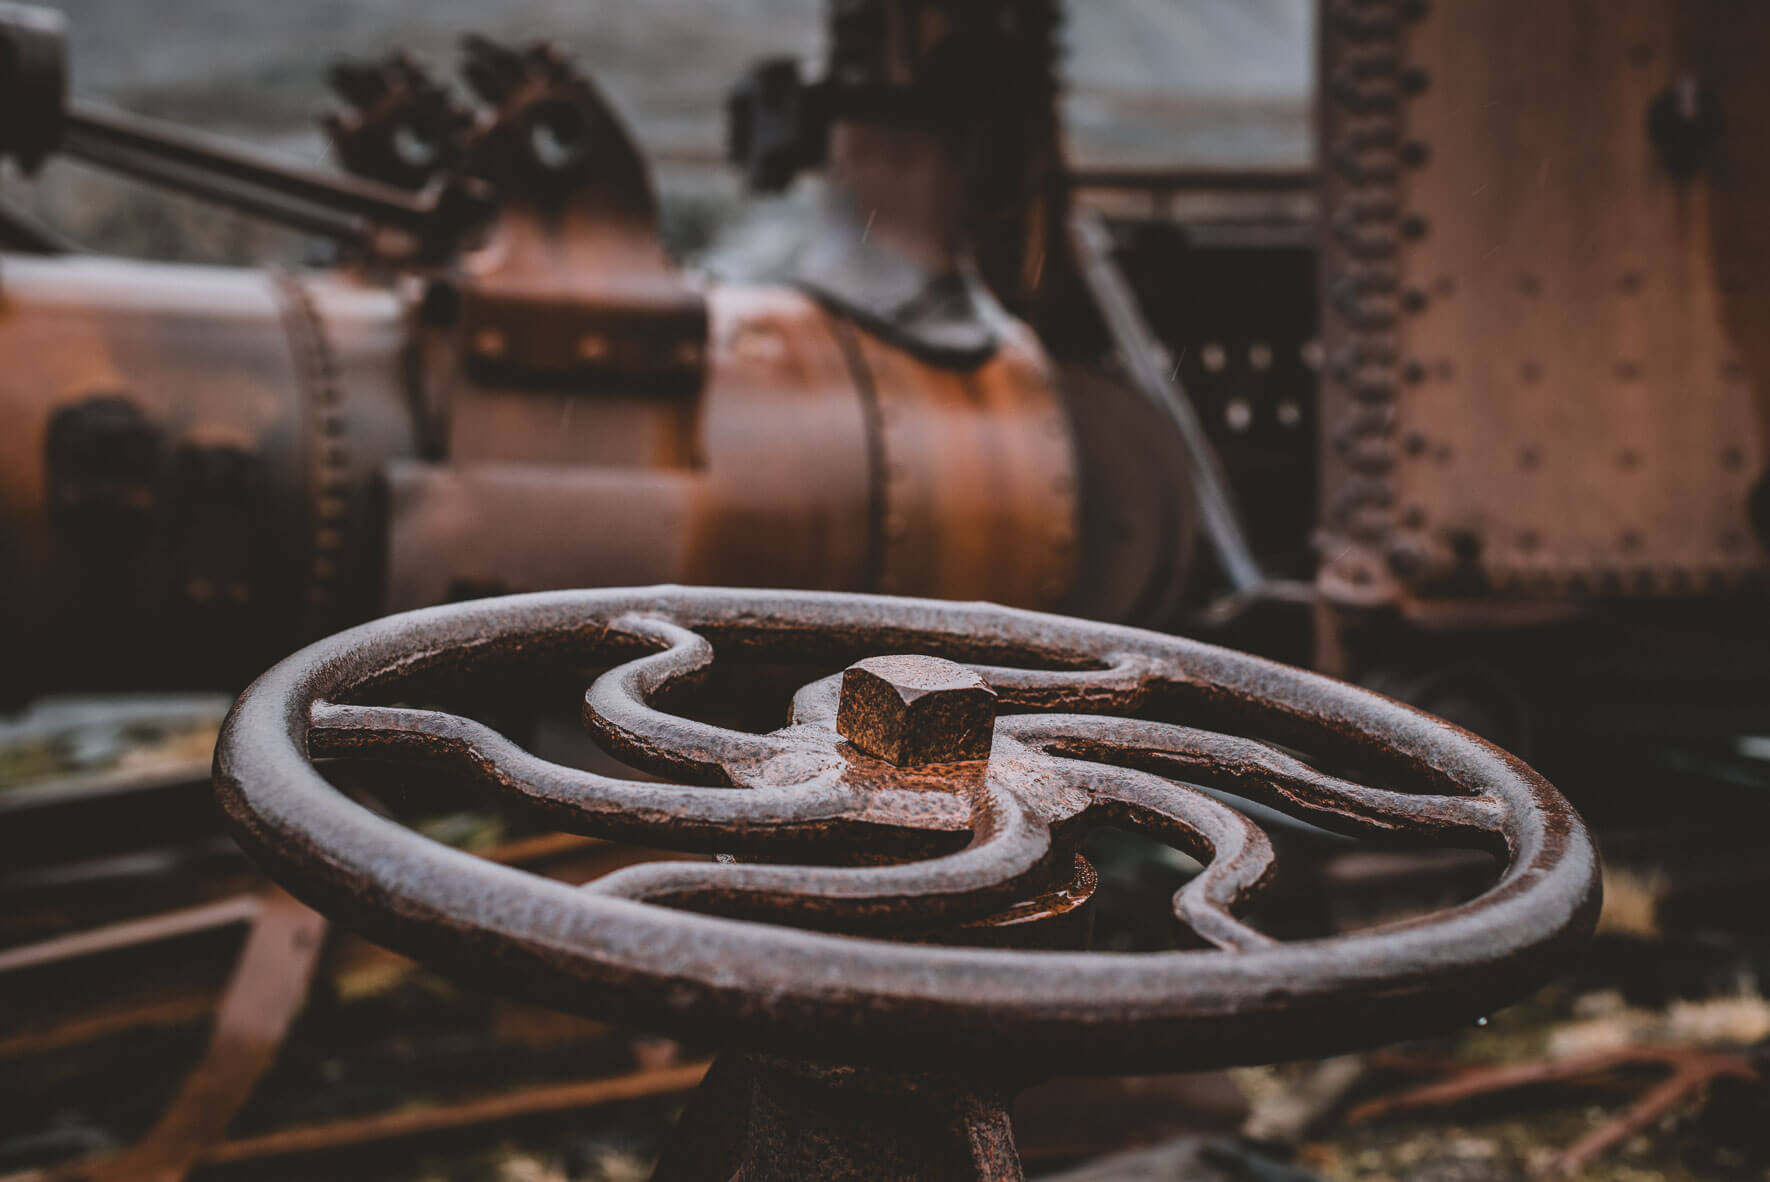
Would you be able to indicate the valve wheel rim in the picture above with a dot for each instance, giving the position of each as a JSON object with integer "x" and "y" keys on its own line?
{"x": 839, "y": 997}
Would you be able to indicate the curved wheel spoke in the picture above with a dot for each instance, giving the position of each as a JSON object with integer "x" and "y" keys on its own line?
{"x": 618, "y": 710}
{"x": 1122, "y": 685}
{"x": 816, "y": 702}
{"x": 1236, "y": 853}
{"x": 708, "y": 819}
{"x": 1009, "y": 850}
{"x": 1265, "y": 774}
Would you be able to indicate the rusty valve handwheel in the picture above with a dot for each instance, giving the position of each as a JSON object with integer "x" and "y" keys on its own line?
{"x": 936, "y": 790}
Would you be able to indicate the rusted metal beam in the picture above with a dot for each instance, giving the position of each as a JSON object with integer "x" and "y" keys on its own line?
{"x": 207, "y": 917}
{"x": 267, "y": 991}
{"x": 417, "y": 1122}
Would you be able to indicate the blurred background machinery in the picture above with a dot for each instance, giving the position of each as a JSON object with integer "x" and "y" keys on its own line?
{"x": 1471, "y": 411}
{"x": 506, "y": 384}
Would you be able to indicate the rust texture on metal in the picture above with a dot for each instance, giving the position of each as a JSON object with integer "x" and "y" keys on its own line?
{"x": 268, "y": 989}
{"x": 213, "y": 497}
{"x": 815, "y": 456}
{"x": 362, "y": 440}
{"x": 252, "y": 1017}
{"x": 799, "y": 1120}
{"x": 910, "y": 710}
{"x": 572, "y": 280}
{"x": 1535, "y": 287}
{"x": 418, "y": 1122}
{"x": 685, "y": 946}
{"x": 976, "y": 480}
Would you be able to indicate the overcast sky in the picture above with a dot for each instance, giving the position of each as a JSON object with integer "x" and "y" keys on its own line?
{"x": 1148, "y": 81}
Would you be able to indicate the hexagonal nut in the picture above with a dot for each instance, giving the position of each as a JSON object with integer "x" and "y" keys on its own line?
{"x": 911, "y": 710}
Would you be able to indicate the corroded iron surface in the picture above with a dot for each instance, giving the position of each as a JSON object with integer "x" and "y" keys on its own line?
{"x": 801, "y": 945}
{"x": 1502, "y": 338}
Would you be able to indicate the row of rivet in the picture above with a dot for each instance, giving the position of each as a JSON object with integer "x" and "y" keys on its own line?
{"x": 328, "y": 454}
{"x": 1364, "y": 155}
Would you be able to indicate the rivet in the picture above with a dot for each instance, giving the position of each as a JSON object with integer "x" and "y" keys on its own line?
{"x": 490, "y": 342}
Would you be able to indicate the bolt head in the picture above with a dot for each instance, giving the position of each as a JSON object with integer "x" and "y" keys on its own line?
{"x": 910, "y": 710}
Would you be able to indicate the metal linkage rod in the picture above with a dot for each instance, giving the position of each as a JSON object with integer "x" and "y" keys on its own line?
{"x": 344, "y": 207}
{"x": 1144, "y": 356}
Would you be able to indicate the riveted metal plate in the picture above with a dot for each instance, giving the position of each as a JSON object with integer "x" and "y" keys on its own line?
{"x": 1567, "y": 325}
